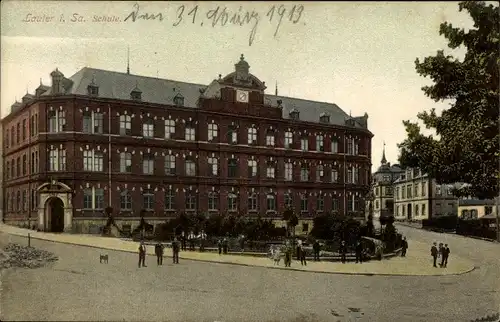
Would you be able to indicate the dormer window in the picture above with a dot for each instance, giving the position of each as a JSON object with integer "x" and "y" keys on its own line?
{"x": 350, "y": 122}
{"x": 179, "y": 100}
{"x": 294, "y": 114}
{"x": 136, "y": 94}
{"x": 324, "y": 118}
{"x": 93, "y": 89}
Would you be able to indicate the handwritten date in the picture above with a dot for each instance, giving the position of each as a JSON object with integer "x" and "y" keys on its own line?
{"x": 222, "y": 16}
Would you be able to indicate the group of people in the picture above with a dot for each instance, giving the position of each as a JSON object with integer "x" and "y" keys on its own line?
{"x": 440, "y": 252}
{"x": 159, "y": 251}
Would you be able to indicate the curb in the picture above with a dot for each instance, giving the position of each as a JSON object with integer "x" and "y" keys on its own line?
{"x": 452, "y": 233}
{"x": 252, "y": 265}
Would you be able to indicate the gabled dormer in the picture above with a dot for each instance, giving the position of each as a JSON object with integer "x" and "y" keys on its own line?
{"x": 26, "y": 98}
{"x": 92, "y": 88}
{"x": 57, "y": 82}
{"x": 179, "y": 100}
{"x": 324, "y": 118}
{"x": 350, "y": 122}
{"x": 136, "y": 93}
{"x": 14, "y": 107}
{"x": 41, "y": 89}
{"x": 294, "y": 114}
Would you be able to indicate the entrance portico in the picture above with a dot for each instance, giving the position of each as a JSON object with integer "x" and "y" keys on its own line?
{"x": 55, "y": 210}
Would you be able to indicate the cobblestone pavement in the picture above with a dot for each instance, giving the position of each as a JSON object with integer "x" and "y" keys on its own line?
{"x": 77, "y": 287}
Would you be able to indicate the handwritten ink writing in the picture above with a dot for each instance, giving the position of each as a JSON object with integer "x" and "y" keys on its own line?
{"x": 294, "y": 15}
{"x": 222, "y": 17}
{"x": 135, "y": 15}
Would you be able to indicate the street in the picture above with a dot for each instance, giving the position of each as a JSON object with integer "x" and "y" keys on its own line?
{"x": 77, "y": 287}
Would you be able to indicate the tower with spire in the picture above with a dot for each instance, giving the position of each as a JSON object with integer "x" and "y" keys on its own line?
{"x": 384, "y": 160}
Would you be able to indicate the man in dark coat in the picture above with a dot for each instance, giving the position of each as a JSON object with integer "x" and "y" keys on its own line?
{"x": 175, "y": 251}
{"x": 404, "y": 247}
{"x": 316, "y": 249}
{"x": 359, "y": 252}
{"x": 219, "y": 246}
{"x": 159, "y": 253}
{"x": 303, "y": 255}
{"x": 434, "y": 254}
{"x": 445, "y": 255}
{"x": 142, "y": 254}
{"x": 343, "y": 251}
{"x": 225, "y": 245}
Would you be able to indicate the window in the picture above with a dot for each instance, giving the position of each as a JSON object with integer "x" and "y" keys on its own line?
{"x": 423, "y": 189}
{"x": 408, "y": 191}
{"x": 190, "y": 168}
{"x": 87, "y": 199}
{"x": 57, "y": 160}
{"x": 320, "y": 143}
{"x": 148, "y": 164}
{"x": 93, "y": 122}
{"x": 170, "y": 164}
{"x": 356, "y": 147}
{"x": 18, "y": 166}
{"x": 7, "y": 174}
{"x": 415, "y": 189}
{"x": 25, "y": 200}
{"x": 213, "y": 201}
{"x": 355, "y": 174}
{"x": 34, "y": 199}
{"x": 125, "y": 162}
{"x": 232, "y": 202}
{"x": 334, "y": 145}
{"x": 305, "y": 227}
{"x": 18, "y": 134}
{"x": 24, "y": 129}
{"x": 320, "y": 203}
{"x": 190, "y": 133}
{"x": 335, "y": 204}
{"x": 288, "y": 139}
{"x": 169, "y": 199}
{"x": 148, "y": 128}
{"x": 125, "y": 200}
{"x": 303, "y": 202}
{"x": 252, "y": 168}
{"x": 304, "y": 172}
{"x": 304, "y": 144}
{"x": 125, "y": 125}
{"x": 350, "y": 146}
{"x": 232, "y": 168}
{"x": 93, "y": 161}
{"x": 213, "y": 166}
{"x": 18, "y": 201}
{"x": 213, "y": 131}
{"x": 288, "y": 201}
{"x": 7, "y": 139}
{"x": 271, "y": 202}
{"x": 12, "y": 136}
{"x": 403, "y": 193}
{"x": 288, "y": 171}
{"x": 99, "y": 198}
{"x": 232, "y": 135}
{"x": 271, "y": 171}
{"x": 36, "y": 162}
{"x": 179, "y": 100}
{"x": 190, "y": 201}
{"x": 438, "y": 190}
{"x": 423, "y": 210}
{"x": 270, "y": 138}
{"x": 349, "y": 174}
{"x": 335, "y": 175}
{"x": 57, "y": 121}
{"x": 169, "y": 129}
{"x": 24, "y": 165}
{"x": 35, "y": 129}
{"x": 148, "y": 199}
{"x": 252, "y": 135}
{"x": 320, "y": 172}
{"x": 252, "y": 202}
{"x": 417, "y": 210}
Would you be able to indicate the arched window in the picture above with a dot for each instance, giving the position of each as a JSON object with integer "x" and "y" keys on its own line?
{"x": 125, "y": 200}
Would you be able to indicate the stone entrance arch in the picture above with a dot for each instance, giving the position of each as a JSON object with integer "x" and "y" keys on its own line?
{"x": 52, "y": 197}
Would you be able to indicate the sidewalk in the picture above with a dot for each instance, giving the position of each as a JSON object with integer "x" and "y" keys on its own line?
{"x": 417, "y": 262}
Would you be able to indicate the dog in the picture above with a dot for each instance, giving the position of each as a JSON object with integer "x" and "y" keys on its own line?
{"x": 103, "y": 259}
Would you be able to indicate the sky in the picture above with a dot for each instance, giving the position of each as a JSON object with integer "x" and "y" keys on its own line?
{"x": 358, "y": 55}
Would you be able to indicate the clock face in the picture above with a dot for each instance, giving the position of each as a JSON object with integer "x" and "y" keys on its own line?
{"x": 242, "y": 96}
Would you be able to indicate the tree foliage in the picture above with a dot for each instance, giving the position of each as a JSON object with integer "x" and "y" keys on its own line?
{"x": 467, "y": 146}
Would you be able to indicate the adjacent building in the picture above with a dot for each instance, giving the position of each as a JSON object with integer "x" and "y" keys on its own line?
{"x": 476, "y": 208}
{"x": 419, "y": 197}
{"x": 382, "y": 194}
{"x": 102, "y": 138}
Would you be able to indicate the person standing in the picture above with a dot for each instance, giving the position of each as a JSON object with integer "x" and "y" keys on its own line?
{"x": 142, "y": 254}
{"x": 404, "y": 247}
{"x": 434, "y": 254}
{"x": 343, "y": 251}
{"x": 446, "y": 254}
{"x": 183, "y": 240}
{"x": 219, "y": 245}
{"x": 359, "y": 252}
{"x": 299, "y": 248}
{"x": 175, "y": 251}
{"x": 159, "y": 253}
{"x": 316, "y": 249}
{"x": 288, "y": 255}
{"x": 440, "y": 251}
{"x": 225, "y": 245}
{"x": 303, "y": 261}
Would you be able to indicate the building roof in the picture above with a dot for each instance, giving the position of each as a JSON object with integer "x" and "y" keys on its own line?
{"x": 117, "y": 85}
{"x": 475, "y": 202}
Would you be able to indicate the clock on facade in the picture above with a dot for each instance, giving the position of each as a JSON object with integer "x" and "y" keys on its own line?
{"x": 242, "y": 96}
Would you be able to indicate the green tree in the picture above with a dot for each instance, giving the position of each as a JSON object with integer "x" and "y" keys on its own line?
{"x": 467, "y": 143}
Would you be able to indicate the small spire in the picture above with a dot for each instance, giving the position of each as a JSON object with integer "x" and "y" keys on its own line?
{"x": 40, "y": 81}
{"x": 128, "y": 59}
{"x": 276, "y": 89}
{"x": 26, "y": 89}
{"x": 384, "y": 160}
